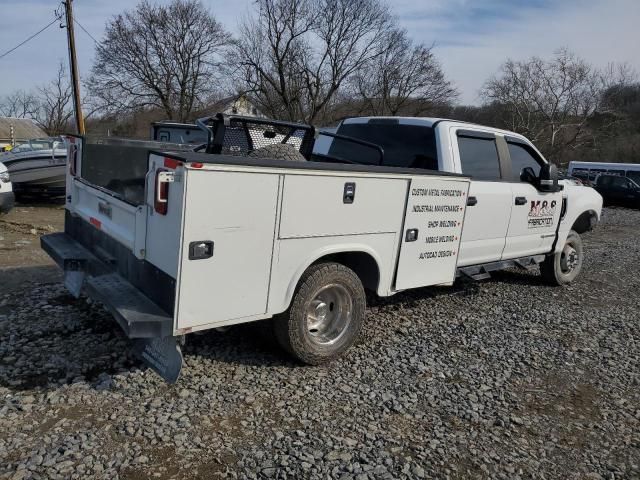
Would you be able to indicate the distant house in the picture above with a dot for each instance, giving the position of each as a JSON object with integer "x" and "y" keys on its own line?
{"x": 14, "y": 131}
{"x": 235, "y": 105}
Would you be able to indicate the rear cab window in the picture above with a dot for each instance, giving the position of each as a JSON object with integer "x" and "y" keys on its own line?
{"x": 479, "y": 155}
{"x": 406, "y": 146}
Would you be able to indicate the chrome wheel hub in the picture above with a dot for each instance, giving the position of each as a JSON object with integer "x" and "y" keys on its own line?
{"x": 329, "y": 314}
{"x": 569, "y": 259}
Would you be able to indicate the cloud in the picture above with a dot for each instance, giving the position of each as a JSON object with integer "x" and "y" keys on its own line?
{"x": 472, "y": 42}
{"x": 472, "y": 37}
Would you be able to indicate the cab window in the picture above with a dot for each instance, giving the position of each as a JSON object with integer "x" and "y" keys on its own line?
{"x": 635, "y": 176}
{"x": 479, "y": 157}
{"x": 603, "y": 181}
{"x": 521, "y": 158}
{"x": 620, "y": 182}
{"x": 409, "y": 146}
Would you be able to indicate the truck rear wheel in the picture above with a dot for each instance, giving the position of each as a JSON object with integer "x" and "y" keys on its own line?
{"x": 563, "y": 267}
{"x": 325, "y": 316}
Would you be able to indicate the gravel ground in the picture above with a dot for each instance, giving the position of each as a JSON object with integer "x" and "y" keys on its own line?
{"x": 507, "y": 378}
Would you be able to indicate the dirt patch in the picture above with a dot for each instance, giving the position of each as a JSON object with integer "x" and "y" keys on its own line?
{"x": 557, "y": 395}
{"x": 20, "y": 232}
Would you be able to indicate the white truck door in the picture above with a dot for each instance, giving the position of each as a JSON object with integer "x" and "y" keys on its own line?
{"x": 227, "y": 244}
{"x": 489, "y": 204}
{"x": 432, "y": 229}
{"x": 534, "y": 215}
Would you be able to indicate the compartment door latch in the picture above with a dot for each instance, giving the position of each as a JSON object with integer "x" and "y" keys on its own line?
{"x": 200, "y": 250}
{"x": 349, "y": 194}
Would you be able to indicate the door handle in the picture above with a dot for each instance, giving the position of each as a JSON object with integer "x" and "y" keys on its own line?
{"x": 521, "y": 200}
{"x": 471, "y": 201}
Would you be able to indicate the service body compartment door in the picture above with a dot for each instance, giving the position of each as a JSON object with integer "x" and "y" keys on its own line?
{"x": 321, "y": 206}
{"x": 432, "y": 230}
{"x": 229, "y": 227}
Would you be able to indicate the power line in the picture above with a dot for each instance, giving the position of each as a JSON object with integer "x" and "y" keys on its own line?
{"x": 85, "y": 31}
{"x": 30, "y": 38}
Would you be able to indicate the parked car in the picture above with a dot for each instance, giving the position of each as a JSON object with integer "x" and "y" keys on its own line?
{"x": 6, "y": 190}
{"x": 256, "y": 226}
{"x": 591, "y": 170}
{"x": 617, "y": 190}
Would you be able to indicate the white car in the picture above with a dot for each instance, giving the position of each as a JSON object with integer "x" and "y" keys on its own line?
{"x": 6, "y": 190}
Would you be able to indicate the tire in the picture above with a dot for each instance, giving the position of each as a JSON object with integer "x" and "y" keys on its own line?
{"x": 278, "y": 151}
{"x": 563, "y": 267}
{"x": 325, "y": 316}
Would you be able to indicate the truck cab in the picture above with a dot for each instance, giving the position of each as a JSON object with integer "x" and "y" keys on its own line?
{"x": 511, "y": 212}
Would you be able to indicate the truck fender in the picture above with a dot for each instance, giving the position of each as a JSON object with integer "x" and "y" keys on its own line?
{"x": 330, "y": 253}
{"x": 583, "y": 211}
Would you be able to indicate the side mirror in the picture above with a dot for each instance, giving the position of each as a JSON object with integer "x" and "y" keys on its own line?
{"x": 548, "y": 181}
{"x": 528, "y": 175}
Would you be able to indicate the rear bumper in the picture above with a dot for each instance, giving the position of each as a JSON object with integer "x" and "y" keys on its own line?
{"x": 7, "y": 200}
{"x": 138, "y": 316}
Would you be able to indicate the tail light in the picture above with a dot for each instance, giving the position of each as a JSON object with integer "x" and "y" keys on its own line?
{"x": 161, "y": 195}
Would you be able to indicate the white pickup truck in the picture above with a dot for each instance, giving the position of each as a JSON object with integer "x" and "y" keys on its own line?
{"x": 174, "y": 241}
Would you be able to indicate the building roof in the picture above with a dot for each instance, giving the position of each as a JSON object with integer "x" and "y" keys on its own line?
{"x": 23, "y": 129}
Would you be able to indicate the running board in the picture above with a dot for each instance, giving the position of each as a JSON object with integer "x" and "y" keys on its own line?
{"x": 482, "y": 272}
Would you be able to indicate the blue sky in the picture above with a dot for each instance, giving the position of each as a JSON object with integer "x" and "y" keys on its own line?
{"x": 472, "y": 37}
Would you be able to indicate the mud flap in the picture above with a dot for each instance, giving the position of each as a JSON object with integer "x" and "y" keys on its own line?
{"x": 73, "y": 281}
{"x": 162, "y": 355}
{"x": 74, "y": 273}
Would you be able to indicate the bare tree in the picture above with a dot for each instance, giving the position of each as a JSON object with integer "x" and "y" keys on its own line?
{"x": 50, "y": 105}
{"x": 159, "y": 56}
{"x": 406, "y": 78}
{"x": 55, "y": 104}
{"x": 295, "y": 55}
{"x": 19, "y": 104}
{"x": 552, "y": 101}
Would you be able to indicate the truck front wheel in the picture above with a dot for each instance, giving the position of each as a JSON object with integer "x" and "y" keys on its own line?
{"x": 325, "y": 316}
{"x": 563, "y": 267}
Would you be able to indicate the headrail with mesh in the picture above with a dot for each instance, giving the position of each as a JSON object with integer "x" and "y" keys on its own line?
{"x": 239, "y": 135}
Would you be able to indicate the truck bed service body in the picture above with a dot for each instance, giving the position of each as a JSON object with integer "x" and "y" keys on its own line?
{"x": 173, "y": 242}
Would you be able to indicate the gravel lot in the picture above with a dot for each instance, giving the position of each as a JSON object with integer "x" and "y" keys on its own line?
{"x": 507, "y": 378}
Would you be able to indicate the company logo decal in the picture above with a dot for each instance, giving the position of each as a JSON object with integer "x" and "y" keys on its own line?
{"x": 541, "y": 213}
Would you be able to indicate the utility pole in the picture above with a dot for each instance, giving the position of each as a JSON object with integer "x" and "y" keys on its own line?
{"x": 73, "y": 65}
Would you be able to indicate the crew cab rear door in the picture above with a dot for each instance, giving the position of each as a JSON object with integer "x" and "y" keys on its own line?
{"x": 475, "y": 153}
